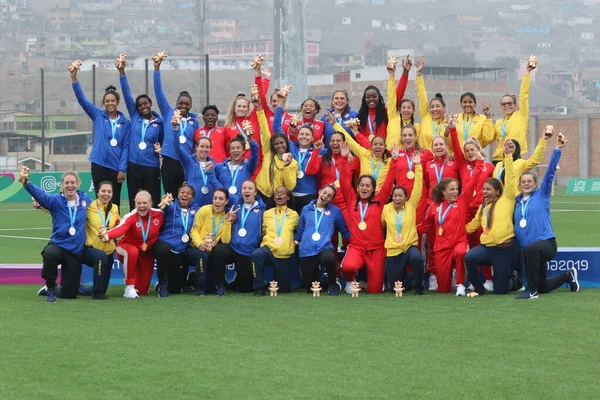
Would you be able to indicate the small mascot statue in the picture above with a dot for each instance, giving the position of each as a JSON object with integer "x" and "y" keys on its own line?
{"x": 316, "y": 289}
{"x": 355, "y": 289}
{"x": 398, "y": 288}
{"x": 273, "y": 288}
{"x": 472, "y": 294}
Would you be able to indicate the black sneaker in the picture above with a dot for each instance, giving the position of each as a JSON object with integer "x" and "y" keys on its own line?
{"x": 85, "y": 290}
{"x": 99, "y": 296}
{"x": 333, "y": 290}
{"x": 162, "y": 290}
{"x": 527, "y": 294}
{"x": 51, "y": 296}
{"x": 221, "y": 290}
{"x": 572, "y": 280}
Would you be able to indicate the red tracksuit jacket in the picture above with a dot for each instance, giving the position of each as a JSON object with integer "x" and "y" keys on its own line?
{"x": 219, "y": 148}
{"x": 372, "y": 238}
{"x": 317, "y": 126}
{"x": 263, "y": 90}
{"x": 380, "y": 127}
{"x": 430, "y": 176}
{"x": 131, "y": 230}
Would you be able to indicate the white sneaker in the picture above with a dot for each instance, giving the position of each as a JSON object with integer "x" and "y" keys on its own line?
{"x": 522, "y": 289}
{"x": 489, "y": 286}
{"x": 460, "y": 290}
{"x": 433, "y": 283}
{"x": 130, "y": 292}
{"x": 471, "y": 288}
{"x": 348, "y": 288}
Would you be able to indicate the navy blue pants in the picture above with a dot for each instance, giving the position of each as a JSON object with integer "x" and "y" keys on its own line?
{"x": 395, "y": 267}
{"x": 281, "y": 266}
{"x": 503, "y": 261}
{"x": 101, "y": 263}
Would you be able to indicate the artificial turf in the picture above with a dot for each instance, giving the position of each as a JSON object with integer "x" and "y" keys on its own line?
{"x": 295, "y": 346}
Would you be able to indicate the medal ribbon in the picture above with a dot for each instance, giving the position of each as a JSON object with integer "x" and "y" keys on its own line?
{"x": 216, "y": 226}
{"x": 145, "y": 125}
{"x": 409, "y": 162}
{"x": 363, "y": 212}
{"x": 113, "y": 127}
{"x": 504, "y": 128}
{"x": 185, "y": 218}
{"x": 524, "y": 204}
{"x": 241, "y": 131}
{"x": 245, "y": 214}
{"x": 371, "y": 125}
{"x": 234, "y": 174}
{"x": 279, "y": 227}
{"x": 337, "y": 173}
{"x": 318, "y": 218}
{"x": 182, "y": 126}
{"x": 442, "y": 214}
{"x": 204, "y": 176}
{"x": 466, "y": 128}
{"x": 103, "y": 222}
{"x": 399, "y": 220}
{"x": 147, "y": 231}
{"x": 436, "y": 131}
{"x": 301, "y": 158}
{"x": 376, "y": 172}
{"x": 439, "y": 175}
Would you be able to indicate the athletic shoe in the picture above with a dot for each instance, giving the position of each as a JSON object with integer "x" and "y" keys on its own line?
{"x": 99, "y": 296}
{"x": 130, "y": 292}
{"x": 348, "y": 288}
{"x": 221, "y": 290}
{"x": 489, "y": 286}
{"x": 162, "y": 290}
{"x": 471, "y": 287}
{"x": 528, "y": 294}
{"x": 199, "y": 292}
{"x": 51, "y": 296}
{"x": 522, "y": 289}
{"x": 460, "y": 290}
{"x": 259, "y": 292}
{"x": 433, "y": 285}
{"x": 43, "y": 291}
{"x": 156, "y": 287}
{"x": 333, "y": 290}
{"x": 573, "y": 281}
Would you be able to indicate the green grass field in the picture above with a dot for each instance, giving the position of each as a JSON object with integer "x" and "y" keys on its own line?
{"x": 295, "y": 346}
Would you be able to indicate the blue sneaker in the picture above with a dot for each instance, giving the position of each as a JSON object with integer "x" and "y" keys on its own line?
{"x": 573, "y": 281}
{"x": 221, "y": 290}
{"x": 85, "y": 290}
{"x": 162, "y": 290}
{"x": 333, "y": 290}
{"x": 43, "y": 291}
{"x": 527, "y": 294}
{"x": 51, "y": 296}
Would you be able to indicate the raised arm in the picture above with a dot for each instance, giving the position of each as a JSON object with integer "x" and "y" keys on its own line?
{"x": 421, "y": 91}
{"x": 393, "y": 126}
{"x": 417, "y": 190}
{"x": 536, "y": 157}
{"x": 161, "y": 98}
{"x": 278, "y": 119}
{"x": 388, "y": 183}
{"x": 548, "y": 181}
{"x": 90, "y": 109}
{"x": 459, "y": 156}
{"x": 47, "y": 201}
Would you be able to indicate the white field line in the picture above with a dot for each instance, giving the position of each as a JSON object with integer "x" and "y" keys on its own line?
{"x": 23, "y": 237}
{"x": 24, "y": 229}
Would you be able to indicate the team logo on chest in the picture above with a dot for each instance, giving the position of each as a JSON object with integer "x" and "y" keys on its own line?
{"x": 155, "y": 222}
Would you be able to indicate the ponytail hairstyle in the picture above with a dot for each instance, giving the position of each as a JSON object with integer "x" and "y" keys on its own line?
{"x": 380, "y": 111}
{"x": 438, "y": 190}
{"x": 468, "y": 94}
{"x": 102, "y": 183}
{"x": 438, "y": 97}
{"x": 412, "y": 118}
{"x": 497, "y": 185}
{"x": 272, "y": 165}
{"x": 239, "y": 138}
{"x": 111, "y": 90}
{"x": 230, "y": 121}
{"x": 516, "y": 156}
{"x": 184, "y": 93}
{"x": 326, "y": 158}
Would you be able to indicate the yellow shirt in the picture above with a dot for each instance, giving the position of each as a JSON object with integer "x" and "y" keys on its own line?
{"x": 367, "y": 159}
{"x": 502, "y": 228}
{"x": 427, "y": 134}
{"x": 269, "y": 231}
{"x": 395, "y": 120}
{"x": 478, "y": 127}
{"x": 516, "y": 124}
{"x": 521, "y": 165}
{"x": 92, "y": 226}
{"x": 205, "y": 221}
{"x": 282, "y": 175}
{"x": 409, "y": 220}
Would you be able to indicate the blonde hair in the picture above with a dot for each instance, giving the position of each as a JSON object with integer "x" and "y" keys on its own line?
{"x": 144, "y": 193}
{"x": 230, "y": 121}
{"x": 71, "y": 173}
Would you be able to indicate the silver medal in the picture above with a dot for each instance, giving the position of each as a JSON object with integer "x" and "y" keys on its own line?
{"x": 523, "y": 223}
{"x": 182, "y": 139}
{"x": 316, "y": 236}
{"x": 72, "y": 231}
{"x": 113, "y": 142}
{"x": 142, "y": 145}
{"x": 185, "y": 238}
{"x": 300, "y": 174}
{"x": 242, "y": 232}
{"x": 204, "y": 190}
{"x": 232, "y": 189}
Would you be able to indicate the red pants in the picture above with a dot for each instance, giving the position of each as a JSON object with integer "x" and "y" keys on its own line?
{"x": 447, "y": 259}
{"x": 138, "y": 266}
{"x": 374, "y": 260}
{"x": 474, "y": 241}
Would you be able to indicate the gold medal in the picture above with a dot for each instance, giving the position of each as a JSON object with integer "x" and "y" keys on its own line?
{"x": 410, "y": 175}
{"x": 247, "y": 146}
{"x": 336, "y": 183}
{"x": 398, "y": 238}
{"x": 362, "y": 225}
{"x": 144, "y": 247}
{"x": 440, "y": 231}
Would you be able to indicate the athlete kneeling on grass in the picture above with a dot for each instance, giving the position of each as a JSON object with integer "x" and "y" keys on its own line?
{"x": 138, "y": 231}
{"x": 318, "y": 222}
{"x": 68, "y": 211}
{"x": 533, "y": 229}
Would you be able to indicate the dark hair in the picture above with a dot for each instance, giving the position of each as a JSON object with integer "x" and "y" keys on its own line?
{"x": 374, "y": 183}
{"x": 330, "y": 186}
{"x": 414, "y": 129}
{"x": 440, "y": 98}
{"x": 400, "y": 188}
{"x": 512, "y": 96}
{"x": 186, "y": 185}
{"x": 412, "y": 118}
{"x": 142, "y": 96}
{"x": 210, "y": 107}
{"x": 204, "y": 138}
{"x": 380, "y": 111}
{"x": 497, "y": 185}
{"x": 251, "y": 181}
{"x": 273, "y": 155}
{"x": 326, "y": 158}
{"x": 317, "y": 105}
{"x": 184, "y": 94}
{"x": 307, "y": 126}
{"x": 468, "y": 94}
{"x": 385, "y": 155}
{"x": 516, "y": 156}
{"x": 110, "y": 203}
{"x": 223, "y": 191}
{"x": 437, "y": 193}
{"x": 111, "y": 90}
{"x": 347, "y": 109}
{"x": 238, "y": 138}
